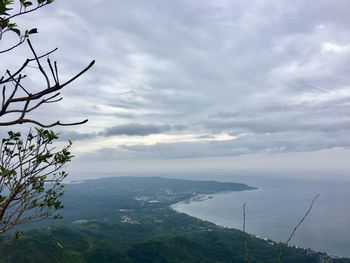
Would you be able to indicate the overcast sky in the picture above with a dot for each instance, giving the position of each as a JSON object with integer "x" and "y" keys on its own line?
{"x": 192, "y": 85}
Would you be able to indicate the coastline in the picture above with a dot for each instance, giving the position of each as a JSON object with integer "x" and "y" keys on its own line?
{"x": 203, "y": 197}
{"x": 200, "y": 198}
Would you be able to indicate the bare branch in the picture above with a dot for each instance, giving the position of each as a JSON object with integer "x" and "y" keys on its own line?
{"x": 39, "y": 65}
{"x": 43, "y": 101}
{"x": 278, "y": 259}
{"x": 25, "y": 64}
{"x": 45, "y": 94}
{"x": 57, "y": 123}
{"x": 245, "y": 236}
{"x": 52, "y": 71}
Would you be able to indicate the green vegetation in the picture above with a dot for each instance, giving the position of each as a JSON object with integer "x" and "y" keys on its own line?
{"x": 30, "y": 177}
{"x": 129, "y": 220}
{"x": 29, "y": 162}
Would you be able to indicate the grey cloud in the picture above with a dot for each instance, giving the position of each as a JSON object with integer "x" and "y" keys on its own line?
{"x": 75, "y": 136}
{"x": 212, "y": 66}
{"x": 329, "y": 115}
{"x": 133, "y": 129}
{"x": 281, "y": 142}
{"x": 136, "y": 129}
{"x": 275, "y": 126}
{"x": 249, "y": 144}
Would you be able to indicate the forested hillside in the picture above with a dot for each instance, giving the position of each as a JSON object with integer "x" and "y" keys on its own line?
{"x": 130, "y": 220}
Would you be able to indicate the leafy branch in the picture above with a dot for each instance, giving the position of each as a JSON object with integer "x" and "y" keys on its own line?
{"x": 8, "y": 13}
{"x": 31, "y": 177}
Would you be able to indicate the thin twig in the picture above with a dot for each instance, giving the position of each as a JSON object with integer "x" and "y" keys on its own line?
{"x": 39, "y": 64}
{"x": 25, "y": 64}
{"x": 21, "y": 41}
{"x": 27, "y": 11}
{"x": 245, "y": 237}
{"x": 278, "y": 258}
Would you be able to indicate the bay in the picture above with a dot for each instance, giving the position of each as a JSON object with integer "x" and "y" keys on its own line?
{"x": 274, "y": 209}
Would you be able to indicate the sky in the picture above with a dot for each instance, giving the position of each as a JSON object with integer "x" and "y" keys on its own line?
{"x": 200, "y": 85}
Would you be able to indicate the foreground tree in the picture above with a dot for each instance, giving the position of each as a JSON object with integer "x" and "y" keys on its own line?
{"x": 30, "y": 166}
{"x": 26, "y": 165}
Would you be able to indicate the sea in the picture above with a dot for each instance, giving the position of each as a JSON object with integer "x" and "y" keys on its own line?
{"x": 278, "y": 204}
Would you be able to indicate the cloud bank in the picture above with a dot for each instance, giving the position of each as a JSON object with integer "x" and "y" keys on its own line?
{"x": 195, "y": 79}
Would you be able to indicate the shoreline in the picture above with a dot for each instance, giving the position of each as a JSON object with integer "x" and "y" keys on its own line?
{"x": 200, "y": 198}
{"x": 203, "y": 197}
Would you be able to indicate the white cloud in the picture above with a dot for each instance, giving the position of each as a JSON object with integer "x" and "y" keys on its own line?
{"x": 335, "y": 48}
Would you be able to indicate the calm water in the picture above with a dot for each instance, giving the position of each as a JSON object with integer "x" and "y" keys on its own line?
{"x": 276, "y": 207}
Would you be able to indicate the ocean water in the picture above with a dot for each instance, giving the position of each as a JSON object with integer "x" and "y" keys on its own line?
{"x": 274, "y": 209}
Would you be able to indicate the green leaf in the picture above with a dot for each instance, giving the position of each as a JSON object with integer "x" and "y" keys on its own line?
{"x": 16, "y": 30}
{"x": 4, "y": 23}
{"x": 26, "y": 4}
{"x": 4, "y": 7}
{"x": 33, "y": 31}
